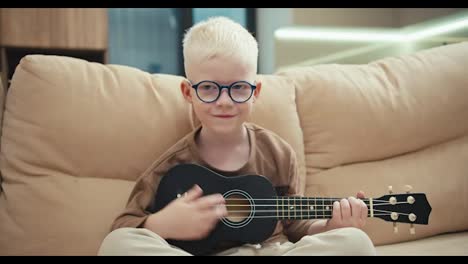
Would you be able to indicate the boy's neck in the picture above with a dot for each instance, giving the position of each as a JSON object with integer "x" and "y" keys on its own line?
{"x": 215, "y": 140}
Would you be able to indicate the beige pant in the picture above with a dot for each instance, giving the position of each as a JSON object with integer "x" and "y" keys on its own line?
{"x": 343, "y": 241}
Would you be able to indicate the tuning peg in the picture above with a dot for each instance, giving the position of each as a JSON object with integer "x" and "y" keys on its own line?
{"x": 412, "y": 230}
{"x": 390, "y": 189}
{"x": 395, "y": 228}
{"x": 408, "y": 188}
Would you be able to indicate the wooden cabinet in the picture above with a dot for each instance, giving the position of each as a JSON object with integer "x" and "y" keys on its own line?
{"x": 75, "y": 32}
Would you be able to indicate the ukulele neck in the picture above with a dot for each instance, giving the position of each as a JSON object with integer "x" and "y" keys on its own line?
{"x": 297, "y": 208}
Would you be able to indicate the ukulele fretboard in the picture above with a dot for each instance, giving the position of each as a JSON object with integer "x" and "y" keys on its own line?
{"x": 297, "y": 208}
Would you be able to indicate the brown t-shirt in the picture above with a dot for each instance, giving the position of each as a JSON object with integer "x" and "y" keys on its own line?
{"x": 270, "y": 156}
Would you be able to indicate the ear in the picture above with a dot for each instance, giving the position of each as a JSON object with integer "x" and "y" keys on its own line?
{"x": 186, "y": 89}
{"x": 257, "y": 90}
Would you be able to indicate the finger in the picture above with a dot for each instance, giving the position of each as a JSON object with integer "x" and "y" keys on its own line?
{"x": 216, "y": 213}
{"x": 361, "y": 195}
{"x": 221, "y": 211}
{"x": 345, "y": 209}
{"x": 210, "y": 201}
{"x": 193, "y": 193}
{"x": 336, "y": 214}
{"x": 355, "y": 206}
{"x": 364, "y": 211}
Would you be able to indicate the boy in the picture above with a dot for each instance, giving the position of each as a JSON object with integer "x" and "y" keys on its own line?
{"x": 218, "y": 54}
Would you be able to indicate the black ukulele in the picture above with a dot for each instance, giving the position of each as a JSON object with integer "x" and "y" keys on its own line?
{"x": 254, "y": 207}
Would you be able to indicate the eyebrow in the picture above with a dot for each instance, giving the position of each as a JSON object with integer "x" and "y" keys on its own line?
{"x": 225, "y": 82}
{"x": 228, "y": 83}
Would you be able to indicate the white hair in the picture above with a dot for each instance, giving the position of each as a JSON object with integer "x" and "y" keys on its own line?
{"x": 219, "y": 37}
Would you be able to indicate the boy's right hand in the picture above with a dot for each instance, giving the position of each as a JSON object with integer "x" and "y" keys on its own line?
{"x": 189, "y": 217}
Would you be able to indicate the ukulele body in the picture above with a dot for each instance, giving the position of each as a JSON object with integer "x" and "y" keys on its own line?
{"x": 241, "y": 193}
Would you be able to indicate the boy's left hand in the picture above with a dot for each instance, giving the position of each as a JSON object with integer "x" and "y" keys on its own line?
{"x": 349, "y": 212}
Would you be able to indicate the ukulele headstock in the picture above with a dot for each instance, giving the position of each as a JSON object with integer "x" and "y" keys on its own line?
{"x": 412, "y": 208}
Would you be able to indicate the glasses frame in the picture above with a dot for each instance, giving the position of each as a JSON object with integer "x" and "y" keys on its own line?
{"x": 221, "y": 87}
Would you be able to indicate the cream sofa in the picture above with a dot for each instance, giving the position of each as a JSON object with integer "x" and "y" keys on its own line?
{"x": 76, "y": 135}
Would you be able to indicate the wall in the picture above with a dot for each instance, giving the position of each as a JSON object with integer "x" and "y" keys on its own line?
{"x": 346, "y": 17}
{"x": 408, "y": 16}
{"x": 268, "y": 20}
{"x": 367, "y": 17}
{"x": 289, "y": 52}
{"x": 145, "y": 38}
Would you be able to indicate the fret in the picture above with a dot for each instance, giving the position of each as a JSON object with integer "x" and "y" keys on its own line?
{"x": 304, "y": 208}
{"x": 291, "y": 207}
{"x": 322, "y": 209}
{"x": 328, "y": 209}
{"x": 299, "y": 203}
{"x": 282, "y": 207}
{"x": 323, "y": 212}
{"x": 286, "y": 211}
{"x": 297, "y": 207}
{"x": 277, "y": 210}
{"x": 315, "y": 207}
{"x": 294, "y": 207}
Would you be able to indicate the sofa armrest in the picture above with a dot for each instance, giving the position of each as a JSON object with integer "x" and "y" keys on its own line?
{"x": 2, "y": 108}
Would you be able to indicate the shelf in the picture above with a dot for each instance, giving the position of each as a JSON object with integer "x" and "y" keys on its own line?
{"x": 13, "y": 55}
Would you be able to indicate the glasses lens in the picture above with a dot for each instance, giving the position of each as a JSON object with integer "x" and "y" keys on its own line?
{"x": 241, "y": 92}
{"x": 207, "y": 91}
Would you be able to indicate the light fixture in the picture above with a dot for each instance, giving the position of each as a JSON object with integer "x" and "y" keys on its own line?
{"x": 367, "y": 35}
{"x": 439, "y": 29}
{"x": 298, "y": 33}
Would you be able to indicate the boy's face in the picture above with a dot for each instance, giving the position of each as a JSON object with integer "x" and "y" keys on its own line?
{"x": 223, "y": 115}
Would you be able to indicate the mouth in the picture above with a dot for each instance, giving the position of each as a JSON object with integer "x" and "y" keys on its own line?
{"x": 224, "y": 116}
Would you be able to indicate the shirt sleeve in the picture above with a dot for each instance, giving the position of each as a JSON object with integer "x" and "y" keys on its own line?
{"x": 295, "y": 229}
{"x": 135, "y": 212}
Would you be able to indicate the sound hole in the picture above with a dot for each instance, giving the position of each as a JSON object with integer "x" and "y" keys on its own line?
{"x": 238, "y": 208}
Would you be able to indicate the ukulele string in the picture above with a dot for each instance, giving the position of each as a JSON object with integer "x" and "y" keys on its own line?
{"x": 307, "y": 205}
{"x": 294, "y": 211}
{"x": 292, "y": 216}
{"x": 291, "y": 199}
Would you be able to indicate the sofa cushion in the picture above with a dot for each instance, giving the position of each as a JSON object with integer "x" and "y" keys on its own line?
{"x": 355, "y": 113}
{"x": 89, "y": 120}
{"x": 451, "y": 244}
{"x": 75, "y": 137}
{"x": 276, "y": 110}
{"x": 438, "y": 171}
{"x": 2, "y": 107}
{"x": 58, "y": 214}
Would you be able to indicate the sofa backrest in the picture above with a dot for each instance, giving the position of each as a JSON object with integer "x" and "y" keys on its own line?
{"x": 394, "y": 122}
{"x": 76, "y": 135}
{"x": 2, "y": 107}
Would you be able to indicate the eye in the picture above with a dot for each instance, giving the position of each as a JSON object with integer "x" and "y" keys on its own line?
{"x": 241, "y": 87}
{"x": 207, "y": 87}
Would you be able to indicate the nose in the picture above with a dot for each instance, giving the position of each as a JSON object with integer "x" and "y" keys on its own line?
{"x": 224, "y": 98}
